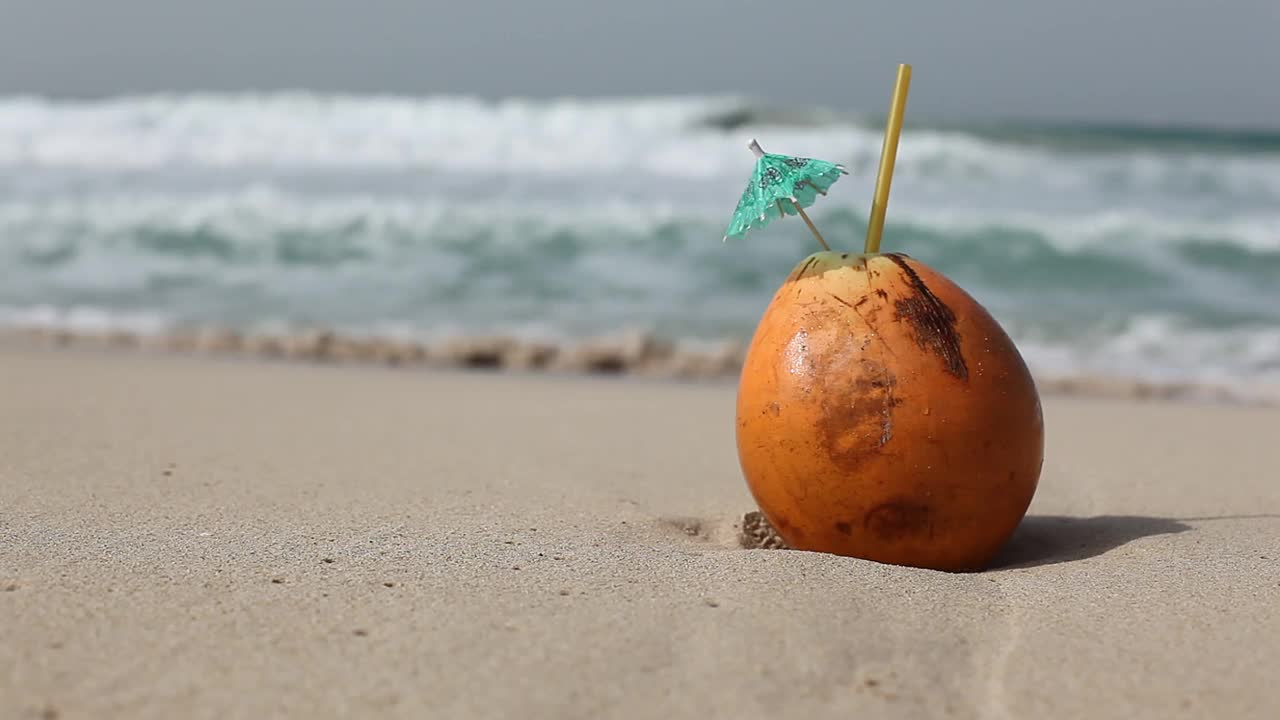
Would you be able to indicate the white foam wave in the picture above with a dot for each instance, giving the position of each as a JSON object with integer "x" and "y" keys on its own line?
{"x": 1165, "y": 349}
{"x": 1121, "y": 229}
{"x": 336, "y": 131}
{"x": 250, "y": 216}
{"x": 84, "y": 319}
{"x": 659, "y": 136}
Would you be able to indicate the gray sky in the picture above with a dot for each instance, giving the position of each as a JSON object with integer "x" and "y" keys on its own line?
{"x": 1148, "y": 61}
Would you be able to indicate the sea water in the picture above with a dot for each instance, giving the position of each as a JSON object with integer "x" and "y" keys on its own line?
{"x": 1138, "y": 253}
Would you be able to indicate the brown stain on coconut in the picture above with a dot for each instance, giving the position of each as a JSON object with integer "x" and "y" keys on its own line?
{"x": 932, "y": 321}
{"x": 897, "y": 519}
{"x": 859, "y": 419}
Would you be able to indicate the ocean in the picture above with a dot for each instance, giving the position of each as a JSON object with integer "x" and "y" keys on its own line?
{"x": 1106, "y": 252}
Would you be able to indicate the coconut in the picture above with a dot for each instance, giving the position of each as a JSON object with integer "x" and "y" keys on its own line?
{"x": 882, "y": 413}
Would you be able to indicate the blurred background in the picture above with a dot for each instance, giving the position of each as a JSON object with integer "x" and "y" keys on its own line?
{"x": 1104, "y": 177}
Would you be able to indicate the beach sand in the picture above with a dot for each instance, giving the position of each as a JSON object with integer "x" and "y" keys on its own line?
{"x": 187, "y": 537}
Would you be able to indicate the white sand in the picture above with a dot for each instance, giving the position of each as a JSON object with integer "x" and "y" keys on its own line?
{"x": 189, "y": 538}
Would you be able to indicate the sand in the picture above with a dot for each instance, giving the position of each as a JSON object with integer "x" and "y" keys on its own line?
{"x": 185, "y": 537}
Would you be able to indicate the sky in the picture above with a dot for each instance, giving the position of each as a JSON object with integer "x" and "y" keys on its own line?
{"x": 1161, "y": 62}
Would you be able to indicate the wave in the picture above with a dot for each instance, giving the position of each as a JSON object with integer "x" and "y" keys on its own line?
{"x": 690, "y": 137}
{"x": 303, "y": 129}
{"x": 247, "y": 217}
{"x": 1101, "y": 137}
{"x": 139, "y": 244}
{"x": 1220, "y": 271}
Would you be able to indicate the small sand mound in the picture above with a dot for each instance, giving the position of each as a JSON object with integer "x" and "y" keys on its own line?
{"x": 758, "y": 534}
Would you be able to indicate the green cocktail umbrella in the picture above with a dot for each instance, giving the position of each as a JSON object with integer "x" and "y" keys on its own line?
{"x": 782, "y": 185}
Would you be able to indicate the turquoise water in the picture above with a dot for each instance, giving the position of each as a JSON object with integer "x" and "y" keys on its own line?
{"x": 1105, "y": 251}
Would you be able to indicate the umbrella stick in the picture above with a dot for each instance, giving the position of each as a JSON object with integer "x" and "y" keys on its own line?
{"x": 813, "y": 229}
{"x": 893, "y": 128}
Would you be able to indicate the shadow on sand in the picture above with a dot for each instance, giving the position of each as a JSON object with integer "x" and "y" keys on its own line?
{"x": 1052, "y": 539}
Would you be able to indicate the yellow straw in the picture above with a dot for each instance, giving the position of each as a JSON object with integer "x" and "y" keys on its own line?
{"x": 893, "y": 128}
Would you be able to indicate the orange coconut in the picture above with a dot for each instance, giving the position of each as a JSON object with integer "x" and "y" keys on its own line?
{"x": 884, "y": 414}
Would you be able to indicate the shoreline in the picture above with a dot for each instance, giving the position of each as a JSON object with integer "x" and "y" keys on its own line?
{"x": 632, "y": 355}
